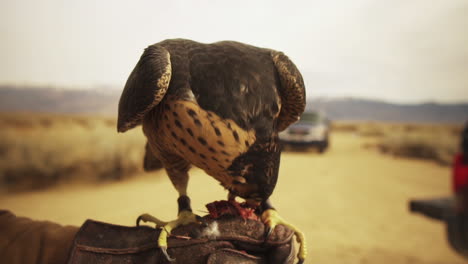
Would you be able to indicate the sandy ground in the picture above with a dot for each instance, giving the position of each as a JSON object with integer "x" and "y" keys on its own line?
{"x": 351, "y": 202}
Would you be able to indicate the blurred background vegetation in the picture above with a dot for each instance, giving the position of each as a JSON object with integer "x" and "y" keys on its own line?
{"x": 434, "y": 142}
{"x": 41, "y": 150}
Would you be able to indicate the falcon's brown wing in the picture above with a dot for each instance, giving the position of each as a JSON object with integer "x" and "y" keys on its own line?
{"x": 145, "y": 87}
{"x": 292, "y": 90}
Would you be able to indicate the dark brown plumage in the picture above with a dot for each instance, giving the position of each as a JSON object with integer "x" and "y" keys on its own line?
{"x": 258, "y": 90}
{"x": 217, "y": 106}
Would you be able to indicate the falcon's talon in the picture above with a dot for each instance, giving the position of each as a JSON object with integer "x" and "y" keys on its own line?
{"x": 164, "y": 251}
{"x": 184, "y": 218}
{"x": 271, "y": 218}
{"x": 268, "y": 232}
{"x": 149, "y": 218}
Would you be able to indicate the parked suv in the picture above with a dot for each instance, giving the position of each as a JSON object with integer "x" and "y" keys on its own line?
{"x": 311, "y": 130}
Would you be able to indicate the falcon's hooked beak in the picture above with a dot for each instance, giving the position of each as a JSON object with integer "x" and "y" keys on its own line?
{"x": 254, "y": 203}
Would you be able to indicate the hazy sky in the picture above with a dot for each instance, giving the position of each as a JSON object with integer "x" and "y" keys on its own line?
{"x": 399, "y": 50}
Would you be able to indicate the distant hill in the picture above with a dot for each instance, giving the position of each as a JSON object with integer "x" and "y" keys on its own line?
{"x": 372, "y": 110}
{"x": 44, "y": 99}
{"x": 105, "y": 102}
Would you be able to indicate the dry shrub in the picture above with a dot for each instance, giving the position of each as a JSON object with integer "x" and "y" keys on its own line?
{"x": 37, "y": 151}
{"x": 341, "y": 126}
{"x": 361, "y": 128}
{"x": 432, "y": 142}
{"x": 372, "y": 129}
{"x": 437, "y": 142}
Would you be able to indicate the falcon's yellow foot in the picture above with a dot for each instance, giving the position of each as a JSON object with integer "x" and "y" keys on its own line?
{"x": 271, "y": 218}
{"x": 184, "y": 218}
{"x": 149, "y": 218}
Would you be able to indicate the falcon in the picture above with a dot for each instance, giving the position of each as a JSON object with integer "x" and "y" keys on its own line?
{"x": 218, "y": 107}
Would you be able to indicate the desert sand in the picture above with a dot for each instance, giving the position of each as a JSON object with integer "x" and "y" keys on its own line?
{"x": 351, "y": 202}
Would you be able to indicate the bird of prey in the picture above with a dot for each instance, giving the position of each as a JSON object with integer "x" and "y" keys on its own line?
{"x": 218, "y": 107}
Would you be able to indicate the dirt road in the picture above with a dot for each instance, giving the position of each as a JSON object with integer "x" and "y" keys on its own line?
{"x": 351, "y": 202}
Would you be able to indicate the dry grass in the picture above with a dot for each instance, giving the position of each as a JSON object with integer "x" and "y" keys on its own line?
{"x": 434, "y": 142}
{"x": 40, "y": 150}
{"x": 437, "y": 143}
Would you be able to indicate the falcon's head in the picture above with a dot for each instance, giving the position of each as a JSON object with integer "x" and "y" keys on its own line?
{"x": 257, "y": 168}
{"x": 255, "y": 172}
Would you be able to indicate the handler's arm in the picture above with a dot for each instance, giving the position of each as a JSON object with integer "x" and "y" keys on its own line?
{"x": 23, "y": 240}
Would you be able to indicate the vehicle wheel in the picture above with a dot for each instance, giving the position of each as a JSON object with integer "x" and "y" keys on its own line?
{"x": 323, "y": 146}
{"x": 457, "y": 230}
